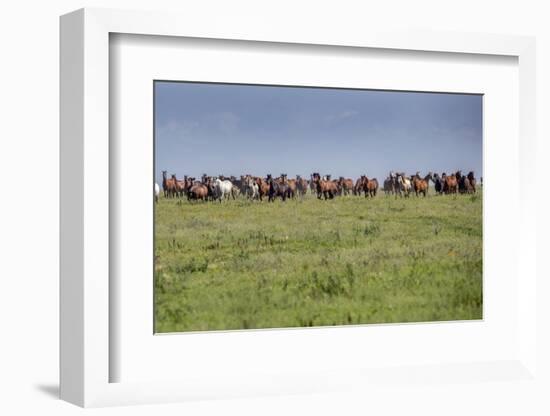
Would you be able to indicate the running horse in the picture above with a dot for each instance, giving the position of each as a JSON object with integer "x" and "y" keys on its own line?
{"x": 370, "y": 186}
{"x": 325, "y": 187}
{"x": 451, "y": 184}
{"x": 420, "y": 185}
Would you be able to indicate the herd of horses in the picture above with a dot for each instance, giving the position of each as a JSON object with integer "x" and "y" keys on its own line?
{"x": 219, "y": 188}
{"x": 400, "y": 184}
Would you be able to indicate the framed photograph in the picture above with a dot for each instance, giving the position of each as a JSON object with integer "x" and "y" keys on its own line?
{"x": 268, "y": 212}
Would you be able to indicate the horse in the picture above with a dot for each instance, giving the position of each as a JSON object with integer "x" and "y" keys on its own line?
{"x": 301, "y": 185}
{"x": 168, "y": 185}
{"x": 472, "y": 180}
{"x": 312, "y": 185}
{"x": 263, "y": 187}
{"x": 389, "y": 184}
{"x": 188, "y": 184}
{"x": 404, "y": 184}
{"x": 277, "y": 188}
{"x": 237, "y": 184}
{"x": 223, "y": 189}
{"x": 346, "y": 185}
{"x": 451, "y": 184}
{"x": 421, "y": 185}
{"x": 179, "y": 186}
{"x": 325, "y": 187}
{"x": 235, "y": 191}
{"x": 157, "y": 192}
{"x": 198, "y": 191}
{"x": 370, "y": 186}
{"x": 336, "y": 182}
{"x": 438, "y": 183}
{"x": 292, "y": 186}
{"x": 252, "y": 189}
{"x": 243, "y": 184}
{"x": 444, "y": 188}
{"x": 464, "y": 184}
{"x": 358, "y": 185}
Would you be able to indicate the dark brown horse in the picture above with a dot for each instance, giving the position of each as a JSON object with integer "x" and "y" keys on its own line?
{"x": 463, "y": 183}
{"x": 472, "y": 180}
{"x": 277, "y": 188}
{"x": 359, "y": 186}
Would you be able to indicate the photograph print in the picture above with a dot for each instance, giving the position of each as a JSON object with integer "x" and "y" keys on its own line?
{"x": 291, "y": 206}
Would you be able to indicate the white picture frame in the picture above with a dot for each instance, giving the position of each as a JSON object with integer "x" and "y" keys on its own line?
{"x": 85, "y": 353}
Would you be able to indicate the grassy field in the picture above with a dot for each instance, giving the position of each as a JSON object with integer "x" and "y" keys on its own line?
{"x": 243, "y": 264}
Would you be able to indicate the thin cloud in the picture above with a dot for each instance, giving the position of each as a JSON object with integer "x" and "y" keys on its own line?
{"x": 343, "y": 115}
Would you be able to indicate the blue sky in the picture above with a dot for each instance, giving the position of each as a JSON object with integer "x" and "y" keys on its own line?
{"x": 238, "y": 129}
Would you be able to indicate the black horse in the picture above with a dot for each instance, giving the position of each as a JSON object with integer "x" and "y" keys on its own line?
{"x": 277, "y": 188}
{"x": 472, "y": 180}
{"x": 438, "y": 183}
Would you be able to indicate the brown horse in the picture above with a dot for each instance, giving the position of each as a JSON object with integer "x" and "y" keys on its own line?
{"x": 179, "y": 186}
{"x": 359, "y": 185}
{"x": 325, "y": 187}
{"x": 301, "y": 185}
{"x": 420, "y": 185}
{"x": 263, "y": 187}
{"x": 292, "y": 187}
{"x": 346, "y": 185}
{"x": 198, "y": 191}
{"x": 370, "y": 186}
{"x": 451, "y": 184}
{"x": 168, "y": 185}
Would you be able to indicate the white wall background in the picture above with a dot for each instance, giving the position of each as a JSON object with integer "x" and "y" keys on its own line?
{"x": 29, "y": 115}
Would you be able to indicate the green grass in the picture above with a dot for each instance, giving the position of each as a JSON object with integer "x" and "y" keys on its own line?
{"x": 242, "y": 264}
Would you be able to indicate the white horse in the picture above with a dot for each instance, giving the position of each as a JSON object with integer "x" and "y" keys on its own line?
{"x": 223, "y": 188}
{"x": 252, "y": 189}
{"x": 157, "y": 192}
{"x": 405, "y": 185}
